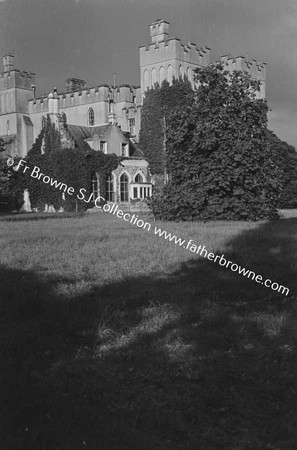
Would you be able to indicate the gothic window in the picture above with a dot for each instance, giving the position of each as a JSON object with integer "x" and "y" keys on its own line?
{"x": 154, "y": 77}
{"x": 43, "y": 122}
{"x": 138, "y": 178}
{"x": 145, "y": 79}
{"x": 189, "y": 74}
{"x": 132, "y": 127}
{"x": 170, "y": 74}
{"x": 162, "y": 74}
{"x": 180, "y": 71}
{"x": 91, "y": 117}
{"x": 64, "y": 118}
{"x": 7, "y": 127}
{"x": 109, "y": 188}
{"x": 124, "y": 188}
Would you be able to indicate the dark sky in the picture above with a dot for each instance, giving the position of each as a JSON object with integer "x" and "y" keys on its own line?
{"x": 91, "y": 39}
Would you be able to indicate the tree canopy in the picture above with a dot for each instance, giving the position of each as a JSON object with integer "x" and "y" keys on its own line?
{"x": 286, "y": 156}
{"x": 219, "y": 162}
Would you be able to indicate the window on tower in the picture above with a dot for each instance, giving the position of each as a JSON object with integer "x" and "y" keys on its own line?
{"x": 91, "y": 117}
{"x": 132, "y": 127}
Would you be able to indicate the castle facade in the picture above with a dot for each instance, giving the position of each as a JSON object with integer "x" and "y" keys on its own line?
{"x": 105, "y": 117}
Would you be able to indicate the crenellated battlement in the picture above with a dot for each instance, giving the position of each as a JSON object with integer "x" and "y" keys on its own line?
{"x": 171, "y": 49}
{"x": 17, "y": 79}
{"x": 255, "y": 68}
{"x": 102, "y": 93}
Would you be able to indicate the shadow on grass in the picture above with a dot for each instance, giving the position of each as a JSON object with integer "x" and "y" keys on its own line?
{"x": 197, "y": 359}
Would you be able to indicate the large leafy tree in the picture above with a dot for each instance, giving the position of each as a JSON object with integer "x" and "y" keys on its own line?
{"x": 218, "y": 159}
{"x": 286, "y": 156}
{"x": 158, "y": 104}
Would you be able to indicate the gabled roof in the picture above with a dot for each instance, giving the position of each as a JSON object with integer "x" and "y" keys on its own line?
{"x": 81, "y": 135}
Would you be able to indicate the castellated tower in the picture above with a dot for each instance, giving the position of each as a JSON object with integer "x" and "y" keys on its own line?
{"x": 16, "y": 89}
{"x": 255, "y": 68}
{"x": 166, "y": 57}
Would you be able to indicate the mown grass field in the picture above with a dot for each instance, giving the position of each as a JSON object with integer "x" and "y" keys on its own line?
{"x": 113, "y": 338}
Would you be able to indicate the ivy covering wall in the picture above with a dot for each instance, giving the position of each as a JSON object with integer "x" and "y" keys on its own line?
{"x": 72, "y": 167}
{"x": 158, "y": 104}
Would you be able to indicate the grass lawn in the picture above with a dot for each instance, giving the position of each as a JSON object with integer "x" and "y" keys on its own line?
{"x": 114, "y": 338}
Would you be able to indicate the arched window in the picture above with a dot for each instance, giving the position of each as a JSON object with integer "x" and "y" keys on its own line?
{"x": 154, "y": 76}
{"x": 7, "y": 127}
{"x": 170, "y": 74}
{"x": 138, "y": 178}
{"x": 64, "y": 118}
{"x": 145, "y": 79}
{"x": 109, "y": 188}
{"x": 189, "y": 74}
{"x": 124, "y": 188}
{"x": 180, "y": 71}
{"x": 43, "y": 122}
{"x": 95, "y": 186}
{"x": 91, "y": 117}
{"x": 162, "y": 74}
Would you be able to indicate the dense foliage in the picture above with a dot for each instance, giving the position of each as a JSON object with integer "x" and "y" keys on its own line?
{"x": 218, "y": 159}
{"x": 10, "y": 199}
{"x": 158, "y": 103}
{"x": 73, "y": 167}
{"x": 286, "y": 156}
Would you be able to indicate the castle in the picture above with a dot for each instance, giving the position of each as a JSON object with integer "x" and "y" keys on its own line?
{"x": 105, "y": 117}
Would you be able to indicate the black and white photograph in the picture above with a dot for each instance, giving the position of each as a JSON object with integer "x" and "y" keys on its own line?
{"x": 148, "y": 225}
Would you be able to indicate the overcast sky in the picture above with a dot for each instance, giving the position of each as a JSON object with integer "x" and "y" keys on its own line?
{"x": 92, "y": 39}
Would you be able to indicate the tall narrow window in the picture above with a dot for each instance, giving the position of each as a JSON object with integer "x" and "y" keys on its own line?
{"x": 145, "y": 79}
{"x": 103, "y": 146}
{"x": 124, "y": 188}
{"x": 7, "y": 127}
{"x": 125, "y": 149}
{"x": 109, "y": 188}
{"x": 132, "y": 126}
{"x": 91, "y": 117}
{"x": 170, "y": 74}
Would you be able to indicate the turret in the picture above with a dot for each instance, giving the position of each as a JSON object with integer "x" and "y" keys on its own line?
{"x": 53, "y": 102}
{"x": 159, "y": 31}
{"x": 8, "y": 62}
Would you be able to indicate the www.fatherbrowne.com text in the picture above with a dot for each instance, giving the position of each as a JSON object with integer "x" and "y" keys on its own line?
{"x": 113, "y": 209}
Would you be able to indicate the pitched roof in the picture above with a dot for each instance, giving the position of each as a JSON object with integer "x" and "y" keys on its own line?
{"x": 79, "y": 134}
{"x": 82, "y": 134}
